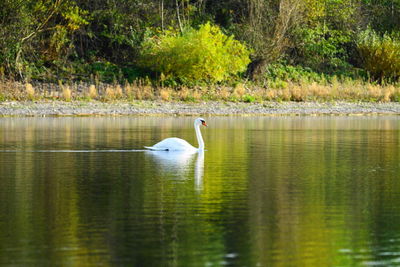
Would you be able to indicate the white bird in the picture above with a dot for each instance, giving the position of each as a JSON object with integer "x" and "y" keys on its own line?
{"x": 177, "y": 144}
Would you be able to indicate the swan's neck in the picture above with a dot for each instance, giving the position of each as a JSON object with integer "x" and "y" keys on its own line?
{"x": 199, "y": 137}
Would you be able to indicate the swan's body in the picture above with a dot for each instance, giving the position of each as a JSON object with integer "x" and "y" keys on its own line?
{"x": 177, "y": 144}
{"x": 172, "y": 144}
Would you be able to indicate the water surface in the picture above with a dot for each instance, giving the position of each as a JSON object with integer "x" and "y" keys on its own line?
{"x": 269, "y": 191}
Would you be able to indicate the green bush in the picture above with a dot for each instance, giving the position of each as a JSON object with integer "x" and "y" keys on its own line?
{"x": 205, "y": 54}
{"x": 380, "y": 54}
{"x": 285, "y": 72}
{"x": 279, "y": 73}
{"x": 322, "y": 48}
{"x": 248, "y": 99}
{"x": 105, "y": 71}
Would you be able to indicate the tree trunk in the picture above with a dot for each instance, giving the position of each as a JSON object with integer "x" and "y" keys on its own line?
{"x": 256, "y": 68}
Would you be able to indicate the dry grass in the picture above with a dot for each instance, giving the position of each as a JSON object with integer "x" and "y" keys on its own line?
{"x": 113, "y": 92}
{"x": 118, "y": 91}
{"x": 165, "y": 94}
{"x": 270, "y": 94}
{"x": 285, "y": 94}
{"x": 148, "y": 93}
{"x": 239, "y": 91}
{"x": 129, "y": 91}
{"x": 67, "y": 93}
{"x": 197, "y": 95}
{"x": 183, "y": 93}
{"x": 30, "y": 91}
{"x": 225, "y": 93}
{"x": 305, "y": 91}
{"x": 137, "y": 92}
{"x": 110, "y": 93}
{"x": 389, "y": 93}
{"x": 92, "y": 94}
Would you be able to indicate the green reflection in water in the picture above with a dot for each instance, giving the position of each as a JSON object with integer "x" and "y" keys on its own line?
{"x": 303, "y": 191}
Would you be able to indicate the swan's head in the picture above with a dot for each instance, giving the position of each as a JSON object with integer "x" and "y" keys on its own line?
{"x": 200, "y": 121}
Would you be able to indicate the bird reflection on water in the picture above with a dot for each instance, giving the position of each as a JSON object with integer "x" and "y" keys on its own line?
{"x": 180, "y": 164}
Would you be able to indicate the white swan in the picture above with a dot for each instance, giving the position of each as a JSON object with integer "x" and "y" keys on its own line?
{"x": 177, "y": 144}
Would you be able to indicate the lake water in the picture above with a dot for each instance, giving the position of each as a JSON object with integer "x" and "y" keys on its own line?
{"x": 269, "y": 191}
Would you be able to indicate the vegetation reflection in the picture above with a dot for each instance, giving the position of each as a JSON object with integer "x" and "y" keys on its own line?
{"x": 313, "y": 191}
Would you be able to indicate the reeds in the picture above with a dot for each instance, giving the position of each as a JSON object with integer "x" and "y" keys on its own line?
{"x": 118, "y": 91}
{"x": 183, "y": 93}
{"x": 165, "y": 94}
{"x": 225, "y": 93}
{"x": 347, "y": 90}
{"x": 239, "y": 91}
{"x": 92, "y": 93}
{"x": 110, "y": 93}
{"x": 30, "y": 91}
{"x": 67, "y": 93}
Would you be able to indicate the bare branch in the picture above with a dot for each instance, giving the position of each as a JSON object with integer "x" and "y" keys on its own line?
{"x": 178, "y": 16}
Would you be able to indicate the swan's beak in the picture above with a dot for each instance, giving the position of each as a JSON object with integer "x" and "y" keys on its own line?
{"x": 204, "y": 123}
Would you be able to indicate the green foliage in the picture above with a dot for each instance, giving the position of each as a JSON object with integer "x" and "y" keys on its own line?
{"x": 205, "y": 54}
{"x": 337, "y": 14}
{"x": 396, "y": 97}
{"x": 49, "y": 40}
{"x": 249, "y": 98}
{"x": 322, "y": 48}
{"x": 37, "y": 33}
{"x": 105, "y": 71}
{"x": 280, "y": 74}
{"x": 383, "y": 15}
{"x": 109, "y": 72}
{"x": 380, "y": 54}
{"x": 285, "y": 72}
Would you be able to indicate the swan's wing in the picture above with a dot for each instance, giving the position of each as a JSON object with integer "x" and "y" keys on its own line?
{"x": 172, "y": 144}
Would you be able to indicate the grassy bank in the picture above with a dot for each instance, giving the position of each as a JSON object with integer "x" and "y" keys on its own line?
{"x": 334, "y": 90}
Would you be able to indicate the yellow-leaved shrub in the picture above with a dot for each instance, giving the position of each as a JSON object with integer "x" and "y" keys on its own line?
{"x": 196, "y": 55}
{"x": 380, "y": 54}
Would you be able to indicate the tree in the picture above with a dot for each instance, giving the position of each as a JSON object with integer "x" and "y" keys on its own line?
{"x": 266, "y": 29}
{"x": 37, "y": 31}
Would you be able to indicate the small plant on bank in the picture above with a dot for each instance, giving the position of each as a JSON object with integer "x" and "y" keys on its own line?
{"x": 92, "y": 92}
{"x": 147, "y": 92}
{"x": 183, "y": 93}
{"x": 30, "y": 91}
{"x": 196, "y": 95}
{"x": 67, "y": 93}
{"x": 248, "y": 99}
{"x": 205, "y": 54}
{"x": 224, "y": 93}
{"x": 118, "y": 91}
{"x": 129, "y": 91}
{"x": 110, "y": 93}
{"x": 165, "y": 94}
{"x": 239, "y": 91}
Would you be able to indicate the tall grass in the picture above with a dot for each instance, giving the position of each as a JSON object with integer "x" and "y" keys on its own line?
{"x": 30, "y": 91}
{"x": 165, "y": 94}
{"x": 334, "y": 90}
{"x": 92, "y": 93}
{"x": 67, "y": 93}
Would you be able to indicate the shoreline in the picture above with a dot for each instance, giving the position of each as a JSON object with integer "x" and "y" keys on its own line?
{"x": 160, "y": 108}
